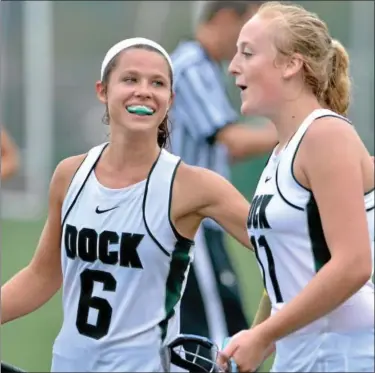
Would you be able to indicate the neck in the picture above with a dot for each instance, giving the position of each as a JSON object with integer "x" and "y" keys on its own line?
{"x": 131, "y": 150}
{"x": 290, "y": 117}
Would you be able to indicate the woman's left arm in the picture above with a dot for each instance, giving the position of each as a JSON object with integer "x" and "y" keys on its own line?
{"x": 332, "y": 162}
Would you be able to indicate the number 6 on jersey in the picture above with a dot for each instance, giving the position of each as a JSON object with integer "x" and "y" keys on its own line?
{"x": 87, "y": 301}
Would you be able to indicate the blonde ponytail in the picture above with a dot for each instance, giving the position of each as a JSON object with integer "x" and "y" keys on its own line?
{"x": 337, "y": 94}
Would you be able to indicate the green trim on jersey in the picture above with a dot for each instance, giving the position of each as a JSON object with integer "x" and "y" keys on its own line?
{"x": 176, "y": 277}
{"x": 318, "y": 242}
{"x": 180, "y": 260}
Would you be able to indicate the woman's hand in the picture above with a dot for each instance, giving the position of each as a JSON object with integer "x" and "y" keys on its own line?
{"x": 248, "y": 349}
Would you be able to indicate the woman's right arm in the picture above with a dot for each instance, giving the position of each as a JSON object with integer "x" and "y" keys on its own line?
{"x": 34, "y": 285}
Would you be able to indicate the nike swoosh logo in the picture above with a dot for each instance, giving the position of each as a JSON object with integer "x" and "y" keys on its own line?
{"x": 267, "y": 179}
{"x": 103, "y": 211}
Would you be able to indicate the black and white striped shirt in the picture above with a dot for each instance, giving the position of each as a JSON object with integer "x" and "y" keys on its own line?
{"x": 201, "y": 108}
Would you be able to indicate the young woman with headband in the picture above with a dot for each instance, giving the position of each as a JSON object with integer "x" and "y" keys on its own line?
{"x": 119, "y": 234}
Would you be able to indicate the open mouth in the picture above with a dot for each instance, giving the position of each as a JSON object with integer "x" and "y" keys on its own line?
{"x": 241, "y": 87}
{"x": 140, "y": 110}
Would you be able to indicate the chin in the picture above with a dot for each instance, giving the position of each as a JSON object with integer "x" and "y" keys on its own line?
{"x": 252, "y": 108}
{"x": 247, "y": 109}
{"x": 140, "y": 126}
{"x": 134, "y": 126}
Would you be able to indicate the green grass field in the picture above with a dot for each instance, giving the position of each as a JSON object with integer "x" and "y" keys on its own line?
{"x": 28, "y": 342}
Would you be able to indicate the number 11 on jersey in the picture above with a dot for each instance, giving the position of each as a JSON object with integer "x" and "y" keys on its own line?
{"x": 262, "y": 242}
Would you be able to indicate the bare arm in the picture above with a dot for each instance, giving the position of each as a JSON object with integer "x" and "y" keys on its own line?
{"x": 245, "y": 141}
{"x": 338, "y": 152}
{"x": 34, "y": 285}
{"x": 9, "y": 156}
{"x": 225, "y": 204}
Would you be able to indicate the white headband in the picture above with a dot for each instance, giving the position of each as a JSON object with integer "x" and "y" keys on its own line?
{"x": 127, "y": 43}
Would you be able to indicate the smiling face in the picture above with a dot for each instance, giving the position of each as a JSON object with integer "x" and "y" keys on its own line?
{"x": 137, "y": 89}
{"x": 255, "y": 69}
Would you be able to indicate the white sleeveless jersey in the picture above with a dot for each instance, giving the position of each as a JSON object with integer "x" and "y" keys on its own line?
{"x": 286, "y": 231}
{"x": 124, "y": 269}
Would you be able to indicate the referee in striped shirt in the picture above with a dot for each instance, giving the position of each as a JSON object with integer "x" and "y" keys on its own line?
{"x": 205, "y": 132}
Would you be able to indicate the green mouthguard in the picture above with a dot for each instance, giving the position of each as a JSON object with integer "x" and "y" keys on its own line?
{"x": 139, "y": 110}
